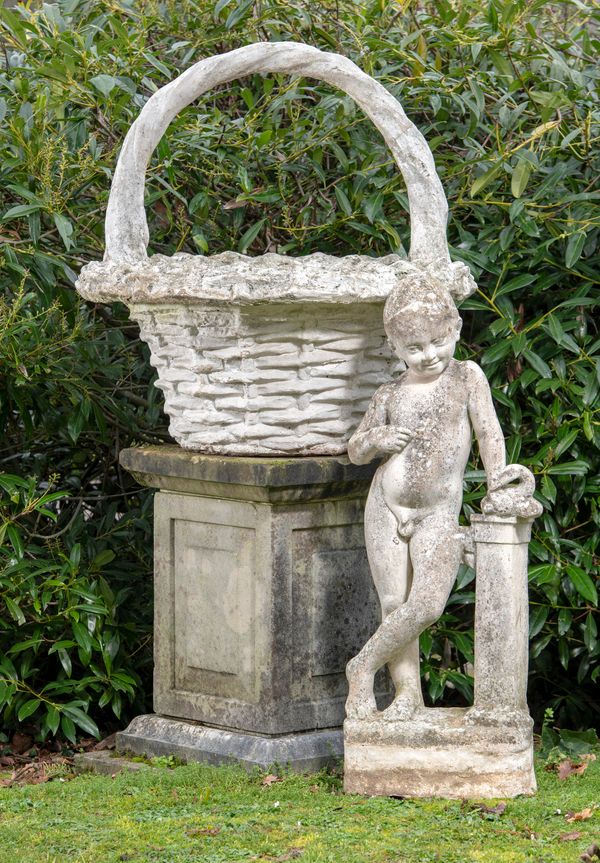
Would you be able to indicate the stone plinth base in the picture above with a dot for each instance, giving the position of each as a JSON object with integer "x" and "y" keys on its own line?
{"x": 154, "y": 736}
{"x": 439, "y": 753}
{"x": 105, "y": 763}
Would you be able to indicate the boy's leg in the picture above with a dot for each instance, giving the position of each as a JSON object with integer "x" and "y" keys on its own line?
{"x": 435, "y": 550}
{"x": 390, "y": 567}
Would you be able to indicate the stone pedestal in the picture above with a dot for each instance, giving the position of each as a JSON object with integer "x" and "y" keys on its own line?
{"x": 483, "y": 751}
{"x": 501, "y": 613}
{"x": 440, "y": 752}
{"x": 262, "y": 595}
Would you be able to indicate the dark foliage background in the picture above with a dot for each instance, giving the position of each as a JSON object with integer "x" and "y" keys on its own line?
{"x": 505, "y": 93}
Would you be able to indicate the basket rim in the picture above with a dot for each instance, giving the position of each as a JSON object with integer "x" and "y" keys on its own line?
{"x": 233, "y": 277}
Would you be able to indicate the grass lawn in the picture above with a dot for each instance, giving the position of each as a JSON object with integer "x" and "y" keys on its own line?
{"x": 220, "y": 815}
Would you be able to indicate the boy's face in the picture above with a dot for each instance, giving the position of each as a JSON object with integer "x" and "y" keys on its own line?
{"x": 427, "y": 347}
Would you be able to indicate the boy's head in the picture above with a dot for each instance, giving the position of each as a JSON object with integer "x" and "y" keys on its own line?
{"x": 422, "y": 323}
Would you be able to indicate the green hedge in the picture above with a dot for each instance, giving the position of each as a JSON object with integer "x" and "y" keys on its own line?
{"x": 505, "y": 93}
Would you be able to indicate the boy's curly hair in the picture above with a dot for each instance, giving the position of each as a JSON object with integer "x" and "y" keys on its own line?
{"x": 417, "y": 295}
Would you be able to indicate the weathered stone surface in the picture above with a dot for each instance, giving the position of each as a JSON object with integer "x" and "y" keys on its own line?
{"x": 126, "y": 228}
{"x": 222, "y": 282}
{"x": 512, "y": 494}
{"x": 262, "y": 594}
{"x": 486, "y": 750}
{"x": 159, "y": 735}
{"x": 266, "y": 480}
{"x": 247, "y": 585}
{"x": 238, "y": 641}
{"x": 227, "y": 393}
{"x": 269, "y": 355}
{"x": 106, "y": 763}
{"x": 438, "y": 752}
{"x": 424, "y": 422}
{"x": 248, "y": 350}
{"x": 501, "y": 615}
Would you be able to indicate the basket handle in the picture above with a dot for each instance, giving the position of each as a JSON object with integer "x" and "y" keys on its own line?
{"x": 126, "y": 225}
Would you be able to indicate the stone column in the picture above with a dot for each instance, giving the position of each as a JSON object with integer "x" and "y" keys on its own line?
{"x": 262, "y": 594}
{"x": 501, "y": 614}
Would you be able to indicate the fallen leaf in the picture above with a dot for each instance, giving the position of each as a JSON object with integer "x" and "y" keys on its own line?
{"x": 314, "y": 789}
{"x": 568, "y": 768}
{"x": 565, "y": 768}
{"x": 174, "y": 794}
{"x": 570, "y": 837}
{"x": 270, "y": 779}
{"x": 590, "y": 853}
{"x": 579, "y": 816}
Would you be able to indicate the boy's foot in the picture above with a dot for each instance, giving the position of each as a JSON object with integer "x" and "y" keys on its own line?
{"x": 403, "y": 707}
{"x": 360, "y": 703}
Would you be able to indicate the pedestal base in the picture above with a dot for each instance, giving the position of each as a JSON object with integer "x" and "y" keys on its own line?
{"x": 439, "y": 753}
{"x": 154, "y": 735}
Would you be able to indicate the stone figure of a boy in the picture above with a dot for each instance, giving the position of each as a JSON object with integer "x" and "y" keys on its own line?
{"x": 423, "y": 423}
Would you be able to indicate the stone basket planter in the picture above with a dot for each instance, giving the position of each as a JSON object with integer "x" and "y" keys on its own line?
{"x": 270, "y": 355}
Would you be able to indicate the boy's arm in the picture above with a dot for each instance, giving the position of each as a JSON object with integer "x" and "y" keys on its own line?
{"x": 485, "y": 424}
{"x": 374, "y": 437}
{"x": 361, "y": 449}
